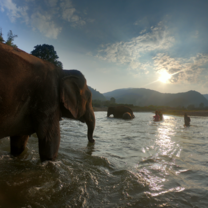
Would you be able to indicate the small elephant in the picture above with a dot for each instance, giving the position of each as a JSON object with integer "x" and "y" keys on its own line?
{"x": 34, "y": 95}
{"x": 118, "y": 111}
{"x": 127, "y": 116}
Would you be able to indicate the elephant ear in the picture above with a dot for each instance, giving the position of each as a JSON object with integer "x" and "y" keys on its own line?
{"x": 70, "y": 95}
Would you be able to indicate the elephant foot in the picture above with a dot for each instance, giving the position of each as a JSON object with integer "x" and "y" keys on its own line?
{"x": 91, "y": 140}
{"x": 18, "y": 144}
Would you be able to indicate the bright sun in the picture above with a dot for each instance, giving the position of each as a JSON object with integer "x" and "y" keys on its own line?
{"x": 164, "y": 76}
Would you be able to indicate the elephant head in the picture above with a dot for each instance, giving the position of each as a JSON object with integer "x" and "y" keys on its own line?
{"x": 76, "y": 99}
{"x": 127, "y": 116}
{"x": 110, "y": 111}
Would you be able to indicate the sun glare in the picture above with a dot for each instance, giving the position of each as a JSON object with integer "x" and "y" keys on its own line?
{"x": 164, "y": 76}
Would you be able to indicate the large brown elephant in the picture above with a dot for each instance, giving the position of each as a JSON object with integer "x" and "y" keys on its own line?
{"x": 118, "y": 111}
{"x": 34, "y": 95}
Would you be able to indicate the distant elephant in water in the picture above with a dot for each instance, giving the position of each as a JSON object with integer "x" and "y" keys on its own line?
{"x": 34, "y": 95}
{"x": 127, "y": 116}
{"x": 118, "y": 111}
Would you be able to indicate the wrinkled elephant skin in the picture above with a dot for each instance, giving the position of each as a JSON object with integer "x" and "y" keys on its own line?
{"x": 34, "y": 95}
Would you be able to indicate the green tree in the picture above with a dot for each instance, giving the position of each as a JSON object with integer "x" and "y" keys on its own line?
{"x": 96, "y": 103}
{"x": 47, "y": 53}
{"x": 113, "y": 100}
{"x": 1, "y": 36}
{"x": 201, "y": 105}
{"x": 10, "y": 39}
{"x": 191, "y": 107}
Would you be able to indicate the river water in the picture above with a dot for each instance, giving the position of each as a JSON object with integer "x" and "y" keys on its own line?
{"x": 136, "y": 163}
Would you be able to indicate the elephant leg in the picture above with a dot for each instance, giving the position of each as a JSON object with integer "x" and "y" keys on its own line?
{"x": 89, "y": 118}
{"x": 48, "y": 133}
{"x": 18, "y": 144}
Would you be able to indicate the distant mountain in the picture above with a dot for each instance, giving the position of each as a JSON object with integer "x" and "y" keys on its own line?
{"x": 96, "y": 95}
{"x": 206, "y": 96}
{"x": 146, "y": 97}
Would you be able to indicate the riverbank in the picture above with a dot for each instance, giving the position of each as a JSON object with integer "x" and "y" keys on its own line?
{"x": 167, "y": 112}
{"x": 100, "y": 109}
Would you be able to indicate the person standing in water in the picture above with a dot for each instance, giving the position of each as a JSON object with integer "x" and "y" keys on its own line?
{"x": 156, "y": 117}
{"x": 187, "y": 120}
{"x": 161, "y": 115}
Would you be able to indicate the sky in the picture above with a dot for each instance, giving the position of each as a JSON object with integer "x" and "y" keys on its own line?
{"x": 119, "y": 43}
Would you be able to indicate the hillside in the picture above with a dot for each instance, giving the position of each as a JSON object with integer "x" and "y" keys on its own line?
{"x": 96, "y": 95}
{"x": 146, "y": 97}
{"x": 206, "y": 96}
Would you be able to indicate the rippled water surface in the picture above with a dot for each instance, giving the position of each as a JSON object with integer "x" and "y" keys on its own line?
{"x": 137, "y": 163}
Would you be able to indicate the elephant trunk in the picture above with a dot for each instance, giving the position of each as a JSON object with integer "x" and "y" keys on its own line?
{"x": 109, "y": 113}
{"x": 90, "y": 121}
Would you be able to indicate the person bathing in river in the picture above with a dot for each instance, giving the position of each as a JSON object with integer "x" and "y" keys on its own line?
{"x": 157, "y": 116}
{"x": 187, "y": 120}
{"x": 161, "y": 115}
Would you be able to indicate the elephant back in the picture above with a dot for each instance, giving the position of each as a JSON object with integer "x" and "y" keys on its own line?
{"x": 19, "y": 56}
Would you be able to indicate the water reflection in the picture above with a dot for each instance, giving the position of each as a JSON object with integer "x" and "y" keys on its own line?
{"x": 90, "y": 148}
{"x": 174, "y": 190}
{"x": 164, "y": 140}
{"x": 137, "y": 163}
{"x": 157, "y": 167}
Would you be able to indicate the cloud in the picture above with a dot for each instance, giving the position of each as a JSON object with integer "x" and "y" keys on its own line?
{"x": 205, "y": 84}
{"x": 51, "y": 3}
{"x": 143, "y": 31}
{"x": 45, "y": 25}
{"x": 184, "y": 69}
{"x": 150, "y": 52}
{"x": 13, "y": 11}
{"x": 42, "y": 22}
{"x": 196, "y": 34}
{"x": 69, "y": 13}
{"x": 47, "y": 21}
{"x": 131, "y": 53}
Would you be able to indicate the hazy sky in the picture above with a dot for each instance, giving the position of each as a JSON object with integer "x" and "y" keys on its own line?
{"x": 118, "y": 43}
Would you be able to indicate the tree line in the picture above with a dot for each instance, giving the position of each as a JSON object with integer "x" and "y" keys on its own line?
{"x": 44, "y": 51}
{"x": 112, "y": 102}
{"x": 10, "y": 38}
